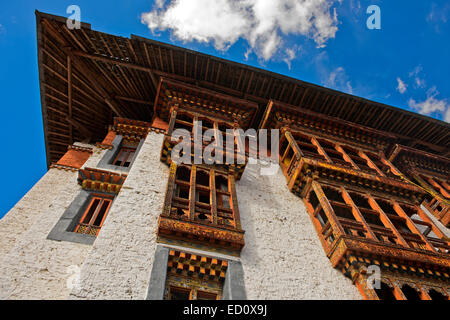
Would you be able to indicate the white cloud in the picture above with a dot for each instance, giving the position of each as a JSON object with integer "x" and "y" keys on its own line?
{"x": 447, "y": 115}
{"x": 438, "y": 16}
{"x": 419, "y": 82}
{"x": 401, "y": 87}
{"x": 431, "y": 104}
{"x": 416, "y": 71}
{"x": 290, "y": 55}
{"x": 264, "y": 24}
{"x": 339, "y": 80}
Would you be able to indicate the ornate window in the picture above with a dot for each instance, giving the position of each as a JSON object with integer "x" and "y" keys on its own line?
{"x": 124, "y": 157}
{"x": 431, "y": 173}
{"x": 201, "y": 204}
{"x": 83, "y": 219}
{"x": 365, "y": 211}
{"x": 410, "y": 293}
{"x": 94, "y": 215}
{"x": 395, "y": 289}
{"x": 320, "y": 149}
{"x": 359, "y": 214}
{"x": 123, "y": 141}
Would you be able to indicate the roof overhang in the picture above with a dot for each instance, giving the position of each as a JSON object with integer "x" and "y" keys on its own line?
{"x": 88, "y": 77}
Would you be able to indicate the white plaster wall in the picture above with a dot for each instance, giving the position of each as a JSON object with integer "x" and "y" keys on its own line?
{"x": 32, "y": 205}
{"x": 120, "y": 262}
{"x": 283, "y": 257}
{"x": 32, "y": 267}
{"x": 97, "y": 155}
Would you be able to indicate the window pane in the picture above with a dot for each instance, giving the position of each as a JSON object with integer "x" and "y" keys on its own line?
{"x": 92, "y": 208}
{"x": 102, "y": 212}
{"x": 122, "y": 155}
{"x": 179, "y": 294}
{"x": 201, "y": 295}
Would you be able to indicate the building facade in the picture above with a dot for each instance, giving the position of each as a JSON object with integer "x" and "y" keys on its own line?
{"x": 360, "y": 190}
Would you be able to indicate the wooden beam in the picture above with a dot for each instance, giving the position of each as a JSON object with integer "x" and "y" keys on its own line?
{"x": 398, "y": 209}
{"x": 134, "y": 100}
{"x": 386, "y": 221}
{"x": 83, "y": 130}
{"x": 357, "y": 214}
{"x": 69, "y": 95}
{"x": 192, "y": 193}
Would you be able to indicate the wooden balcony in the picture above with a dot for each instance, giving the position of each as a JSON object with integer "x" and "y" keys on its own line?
{"x": 200, "y": 209}
{"x": 301, "y": 163}
{"x": 344, "y": 236}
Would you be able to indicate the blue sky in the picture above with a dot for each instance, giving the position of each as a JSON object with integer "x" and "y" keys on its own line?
{"x": 405, "y": 64}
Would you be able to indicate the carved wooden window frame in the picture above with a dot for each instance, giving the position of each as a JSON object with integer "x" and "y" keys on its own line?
{"x": 397, "y": 288}
{"x": 332, "y": 219}
{"x": 91, "y": 226}
{"x": 437, "y": 200}
{"x": 129, "y": 153}
{"x": 326, "y": 150}
{"x": 191, "y": 208}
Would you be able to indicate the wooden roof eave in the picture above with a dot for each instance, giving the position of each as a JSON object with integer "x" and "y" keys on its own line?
{"x": 228, "y": 77}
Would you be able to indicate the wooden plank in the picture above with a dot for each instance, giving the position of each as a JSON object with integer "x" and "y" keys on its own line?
{"x": 192, "y": 193}
{"x": 69, "y": 95}
{"x": 386, "y": 221}
{"x": 357, "y": 214}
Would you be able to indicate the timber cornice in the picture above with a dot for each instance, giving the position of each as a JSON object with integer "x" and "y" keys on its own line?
{"x": 420, "y": 160}
{"x": 209, "y": 103}
{"x": 201, "y": 233}
{"x": 101, "y": 180}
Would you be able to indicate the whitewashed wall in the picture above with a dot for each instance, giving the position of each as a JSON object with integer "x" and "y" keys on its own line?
{"x": 283, "y": 257}
{"x": 119, "y": 265}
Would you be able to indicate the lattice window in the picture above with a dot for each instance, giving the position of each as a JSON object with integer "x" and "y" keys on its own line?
{"x": 94, "y": 215}
{"x": 186, "y": 120}
{"x": 437, "y": 200}
{"x": 212, "y": 192}
{"x": 126, "y": 154}
{"x": 223, "y": 140}
{"x": 336, "y": 211}
{"x": 201, "y": 206}
{"x": 304, "y": 145}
